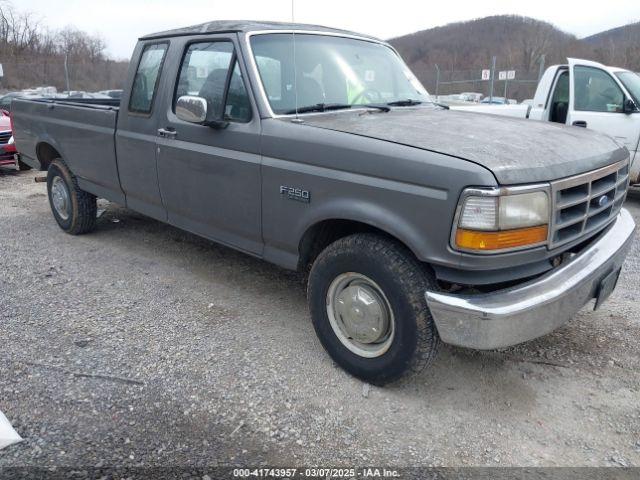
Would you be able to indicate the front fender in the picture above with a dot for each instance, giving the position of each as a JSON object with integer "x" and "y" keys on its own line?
{"x": 418, "y": 216}
{"x": 369, "y": 213}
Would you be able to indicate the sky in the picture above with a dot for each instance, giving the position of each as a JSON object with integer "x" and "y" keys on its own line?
{"x": 121, "y": 22}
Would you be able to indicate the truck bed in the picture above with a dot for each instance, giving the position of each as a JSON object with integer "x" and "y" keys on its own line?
{"x": 81, "y": 130}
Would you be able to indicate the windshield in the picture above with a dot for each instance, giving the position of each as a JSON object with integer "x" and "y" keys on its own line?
{"x": 332, "y": 71}
{"x": 631, "y": 81}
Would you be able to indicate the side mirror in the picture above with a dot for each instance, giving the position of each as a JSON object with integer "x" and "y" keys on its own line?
{"x": 629, "y": 106}
{"x": 191, "y": 109}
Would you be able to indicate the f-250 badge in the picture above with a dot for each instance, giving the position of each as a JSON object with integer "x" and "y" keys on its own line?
{"x": 297, "y": 194}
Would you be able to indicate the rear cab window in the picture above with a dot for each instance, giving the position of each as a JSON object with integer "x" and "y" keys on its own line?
{"x": 145, "y": 82}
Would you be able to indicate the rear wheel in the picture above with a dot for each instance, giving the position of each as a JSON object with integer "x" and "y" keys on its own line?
{"x": 74, "y": 209}
{"x": 366, "y": 296}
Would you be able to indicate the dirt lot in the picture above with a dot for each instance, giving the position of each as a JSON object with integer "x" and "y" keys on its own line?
{"x": 140, "y": 344}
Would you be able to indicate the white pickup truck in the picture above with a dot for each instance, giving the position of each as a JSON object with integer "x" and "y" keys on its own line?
{"x": 585, "y": 94}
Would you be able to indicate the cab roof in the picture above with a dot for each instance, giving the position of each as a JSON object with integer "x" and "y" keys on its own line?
{"x": 245, "y": 26}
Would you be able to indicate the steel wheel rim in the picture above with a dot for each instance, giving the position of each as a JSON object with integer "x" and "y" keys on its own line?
{"x": 60, "y": 198}
{"x": 360, "y": 315}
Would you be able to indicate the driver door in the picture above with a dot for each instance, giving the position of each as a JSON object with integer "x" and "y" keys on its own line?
{"x": 210, "y": 177}
{"x": 597, "y": 101}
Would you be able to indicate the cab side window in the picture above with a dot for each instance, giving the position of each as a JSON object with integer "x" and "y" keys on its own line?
{"x": 210, "y": 70}
{"x": 596, "y": 91}
{"x": 145, "y": 83}
{"x": 560, "y": 99}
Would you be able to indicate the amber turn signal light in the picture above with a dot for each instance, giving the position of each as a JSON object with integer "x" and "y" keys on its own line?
{"x": 519, "y": 237}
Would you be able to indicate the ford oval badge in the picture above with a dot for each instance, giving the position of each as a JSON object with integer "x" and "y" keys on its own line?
{"x": 602, "y": 201}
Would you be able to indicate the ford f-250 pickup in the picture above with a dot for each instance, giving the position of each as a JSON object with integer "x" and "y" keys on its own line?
{"x": 318, "y": 150}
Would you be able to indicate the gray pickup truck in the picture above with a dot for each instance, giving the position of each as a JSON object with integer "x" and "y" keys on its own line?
{"x": 318, "y": 150}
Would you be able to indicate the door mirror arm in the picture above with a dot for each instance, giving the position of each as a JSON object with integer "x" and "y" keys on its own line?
{"x": 216, "y": 124}
{"x": 629, "y": 106}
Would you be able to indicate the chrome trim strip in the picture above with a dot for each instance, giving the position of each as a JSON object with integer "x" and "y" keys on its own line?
{"x": 532, "y": 309}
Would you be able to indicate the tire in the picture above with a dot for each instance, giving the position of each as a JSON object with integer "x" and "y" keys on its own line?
{"x": 23, "y": 166}
{"x": 77, "y": 213}
{"x": 390, "y": 273}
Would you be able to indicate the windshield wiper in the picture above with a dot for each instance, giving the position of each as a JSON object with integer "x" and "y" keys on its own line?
{"x": 382, "y": 108}
{"x": 319, "y": 107}
{"x": 410, "y": 102}
{"x": 405, "y": 103}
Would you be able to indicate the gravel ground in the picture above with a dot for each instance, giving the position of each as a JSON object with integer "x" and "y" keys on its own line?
{"x": 140, "y": 344}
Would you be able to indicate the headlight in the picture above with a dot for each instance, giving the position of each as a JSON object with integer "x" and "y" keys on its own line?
{"x": 501, "y": 219}
{"x": 11, "y": 141}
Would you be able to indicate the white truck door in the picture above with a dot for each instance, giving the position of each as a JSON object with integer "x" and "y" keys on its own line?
{"x": 545, "y": 92}
{"x": 597, "y": 102}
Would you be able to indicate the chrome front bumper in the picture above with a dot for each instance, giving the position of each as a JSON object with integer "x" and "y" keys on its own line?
{"x": 517, "y": 314}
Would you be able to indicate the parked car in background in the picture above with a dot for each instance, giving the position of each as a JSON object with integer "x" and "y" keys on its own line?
{"x": 471, "y": 96}
{"x": 41, "y": 91}
{"x": 7, "y": 144}
{"x": 6, "y": 99}
{"x": 494, "y": 101}
{"x": 80, "y": 94}
{"x": 117, "y": 94}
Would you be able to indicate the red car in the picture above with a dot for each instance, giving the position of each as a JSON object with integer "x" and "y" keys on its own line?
{"x": 7, "y": 146}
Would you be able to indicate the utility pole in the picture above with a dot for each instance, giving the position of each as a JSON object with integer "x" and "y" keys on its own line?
{"x": 437, "y": 80}
{"x": 541, "y": 69}
{"x": 493, "y": 76}
{"x": 66, "y": 71}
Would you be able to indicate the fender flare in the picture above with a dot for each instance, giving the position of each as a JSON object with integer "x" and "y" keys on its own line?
{"x": 46, "y": 139}
{"x": 368, "y": 213}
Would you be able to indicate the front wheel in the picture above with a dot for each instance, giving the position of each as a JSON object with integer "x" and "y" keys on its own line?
{"x": 366, "y": 296}
{"x": 74, "y": 209}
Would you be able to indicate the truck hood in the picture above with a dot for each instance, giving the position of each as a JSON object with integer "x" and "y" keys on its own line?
{"x": 515, "y": 150}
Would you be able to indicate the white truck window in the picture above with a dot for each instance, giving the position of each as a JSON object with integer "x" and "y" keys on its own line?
{"x": 560, "y": 101}
{"x": 596, "y": 91}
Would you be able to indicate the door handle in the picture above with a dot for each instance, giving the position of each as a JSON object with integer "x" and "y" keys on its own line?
{"x": 580, "y": 123}
{"x": 168, "y": 132}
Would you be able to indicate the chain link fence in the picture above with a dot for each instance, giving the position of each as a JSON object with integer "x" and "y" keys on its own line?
{"x": 85, "y": 76}
{"x": 514, "y": 82}
{"x": 108, "y": 74}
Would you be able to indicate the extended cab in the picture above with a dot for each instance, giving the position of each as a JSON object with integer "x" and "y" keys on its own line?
{"x": 586, "y": 94}
{"x": 318, "y": 150}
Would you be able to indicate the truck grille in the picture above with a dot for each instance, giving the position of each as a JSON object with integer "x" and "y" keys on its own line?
{"x": 4, "y": 137}
{"x": 586, "y": 203}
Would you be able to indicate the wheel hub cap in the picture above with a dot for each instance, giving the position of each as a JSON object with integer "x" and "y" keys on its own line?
{"x": 362, "y": 313}
{"x": 60, "y": 197}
